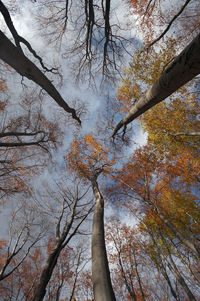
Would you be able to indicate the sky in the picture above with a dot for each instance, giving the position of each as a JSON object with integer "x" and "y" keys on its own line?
{"x": 26, "y": 26}
{"x": 93, "y": 99}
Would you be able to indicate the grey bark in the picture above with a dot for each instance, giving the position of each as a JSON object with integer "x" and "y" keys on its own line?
{"x": 14, "y": 57}
{"x": 131, "y": 291}
{"x": 138, "y": 276}
{"x": 46, "y": 273}
{"x": 161, "y": 267}
{"x": 183, "y": 69}
{"x": 62, "y": 240}
{"x": 173, "y": 268}
{"x": 185, "y": 134}
{"x": 102, "y": 286}
{"x": 191, "y": 245}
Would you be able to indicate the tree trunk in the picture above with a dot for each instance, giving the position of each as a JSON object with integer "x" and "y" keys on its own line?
{"x": 46, "y": 274}
{"x": 161, "y": 267}
{"x": 184, "y": 68}
{"x": 138, "y": 276}
{"x": 191, "y": 245}
{"x": 102, "y": 286}
{"x": 131, "y": 291}
{"x": 173, "y": 268}
{"x": 12, "y": 56}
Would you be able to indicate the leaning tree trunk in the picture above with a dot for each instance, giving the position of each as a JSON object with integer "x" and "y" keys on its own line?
{"x": 173, "y": 268}
{"x": 102, "y": 286}
{"x": 12, "y": 56}
{"x": 192, "y": 245}
{"x": 46, "y": 275}
{"x": 161, "y": 267}
{"x": 183, "y": 69}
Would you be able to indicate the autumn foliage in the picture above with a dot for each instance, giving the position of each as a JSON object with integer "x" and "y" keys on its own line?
{"x": 87, "y": 156}
{"x": 152, "y": 191}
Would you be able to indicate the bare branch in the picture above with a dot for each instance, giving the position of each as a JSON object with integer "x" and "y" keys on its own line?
{"x": 170, "y": 23}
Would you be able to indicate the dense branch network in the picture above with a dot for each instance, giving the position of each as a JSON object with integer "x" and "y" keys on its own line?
{"x": 170, "y": 23}
{"x": 99, "y": 42}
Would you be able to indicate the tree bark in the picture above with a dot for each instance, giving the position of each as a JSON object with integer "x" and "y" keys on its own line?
{"x": 184, "y": 68}
{"x": 102, "y": 286}
{"x": 131, "y": 292}
{"x": 161, "y": 267}
{"x": 173, "y": 268}
{"x": 191, "y": 245}
{"x": 138, "y": 276}
{"x": 46, "y": 274}
{"x": 12, "y": 56}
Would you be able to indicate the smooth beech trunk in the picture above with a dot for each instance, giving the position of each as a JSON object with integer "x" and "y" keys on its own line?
{"x": 173, "y": 268}
{"x": 14, "y": 57}
{"x": 183, "y": 69}
{"x": 161, "y": 267}
{"x": 102, "y": 286}
{"x": 46, "y": 274}
{"x": 188, "y": 243}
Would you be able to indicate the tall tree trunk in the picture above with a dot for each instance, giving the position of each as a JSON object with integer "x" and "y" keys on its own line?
{"x": 184, "y": 68}
{"x": 46, "y": 274}
{"x": 138, "y": 276}
{"x": 12, "y": 56}
{"x": 102, "y": 286}
{"x": 173, "y": 268}
{"x": 161, "y": 267}
{"x": 62, "y": 241}
{"x": 130, "y": 290}
{"x": 191, "y": 245}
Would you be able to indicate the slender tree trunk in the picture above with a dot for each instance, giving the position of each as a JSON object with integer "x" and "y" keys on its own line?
{"x": 46, "y": 274}
{"x": 161, "y": 267}
{"x": 11, "y": 55}
{"x": 62, "y": 241}
{"x": 183, "y": 69}
{"x": 75, "y": 278}
{"x": 191, "y": 245}
{"x": 173, "y": 268}
{"x": 102, "y": 286}
{"x": 131, "y": 291}
{"x": 138, "y": 276}
{"x": 165, "y": 275}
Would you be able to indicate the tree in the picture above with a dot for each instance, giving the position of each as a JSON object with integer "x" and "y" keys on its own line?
{"x": 14, "y": 56}
{"x": 184, "y": 67}
{"x": 149, "y": 181}
{"x": 89, "y": 160}
{"x": 127, "y": 258}
{"x": 26, "y": 231}
{"x": 157, "y": 197}
{"x": 58, "y": 226}
{"x": 154, "y": 189}
{"x": 27, "y": 138}
{"x": 73, "y": 212}
{"x": 158, "y": 20}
